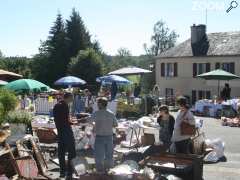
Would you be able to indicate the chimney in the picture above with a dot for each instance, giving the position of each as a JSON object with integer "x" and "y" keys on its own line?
{"x": 199, "y": 40}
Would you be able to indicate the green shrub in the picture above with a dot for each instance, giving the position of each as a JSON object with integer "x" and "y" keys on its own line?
{"x": 8, "y": 100}
{"x": 19, "y": 116}
{"x": 1, "y": 114}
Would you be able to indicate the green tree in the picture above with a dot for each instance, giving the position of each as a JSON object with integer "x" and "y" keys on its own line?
{"x": 20, "y": 65}
{"x": 39, "y": 67}
{"x": 8, "y": 101}
{"x": 1, "y": 54}
{"x": 65, "y": 40}
{"x": 162, "y": 39}
{"x": 77, "y": 34}
{"x": 58, "y": 55}
{"x": 123, "y": 52}
{"x": 52, "y": 61}
{"x": 111, "y": 63}
{"x": 96, "y": 46}
{"x": 86, "y": 65}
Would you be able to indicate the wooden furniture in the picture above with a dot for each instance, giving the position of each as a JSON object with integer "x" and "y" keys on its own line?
{"x": 6, "y": 168}
{"x": 25, "y": 167}
{"x": 187, "y": 167}
{"x": 46, "y": 135}
{"x": 34, "y": 152}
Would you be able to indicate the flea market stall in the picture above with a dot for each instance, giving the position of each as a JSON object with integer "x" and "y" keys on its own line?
{"x": 132, "y": 140}
{"x": 225, "y": 108}
{"x": 227, "y": 111}
{"x": 138, "y": 150}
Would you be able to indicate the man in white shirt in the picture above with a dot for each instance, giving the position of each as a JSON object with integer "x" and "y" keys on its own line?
{"x": 104, "y": 121}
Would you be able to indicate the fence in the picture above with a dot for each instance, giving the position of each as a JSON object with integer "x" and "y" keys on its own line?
{"x": 43, "y": 106}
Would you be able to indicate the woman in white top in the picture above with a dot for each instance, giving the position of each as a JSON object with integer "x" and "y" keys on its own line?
{"x": 182, "y": 142}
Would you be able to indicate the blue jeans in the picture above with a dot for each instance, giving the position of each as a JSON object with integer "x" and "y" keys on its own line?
{"x": 103, "y": 153}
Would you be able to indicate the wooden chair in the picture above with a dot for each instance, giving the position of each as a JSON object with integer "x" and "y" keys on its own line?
{"x": 35, "y": 152}
{"x": 25, "y": 167}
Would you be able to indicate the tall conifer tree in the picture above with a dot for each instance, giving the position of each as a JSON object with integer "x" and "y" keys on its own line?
{"x": 77, "y": 34}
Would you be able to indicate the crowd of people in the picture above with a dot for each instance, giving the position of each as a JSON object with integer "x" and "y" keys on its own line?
{"x": 172, "y": 133}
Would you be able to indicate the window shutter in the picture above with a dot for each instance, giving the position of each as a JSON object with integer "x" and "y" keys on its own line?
{"x": 194, "y": 96}
{"x": 175, "y": 69}
{"x": 217, "y": 66}
{"x": 232, "y": 68}
{"x": 163, "y": 69}
{"x": 194, "y": 69}
{"x": 208, "y": 67}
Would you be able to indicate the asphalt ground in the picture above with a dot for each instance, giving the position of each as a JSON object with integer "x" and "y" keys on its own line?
{"x": 229, "y": 170}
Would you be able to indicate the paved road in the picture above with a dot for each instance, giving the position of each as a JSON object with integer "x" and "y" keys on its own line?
{"x": 229, "y": 170}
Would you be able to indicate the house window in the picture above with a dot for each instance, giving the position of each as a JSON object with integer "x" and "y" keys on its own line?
{"x": 229, "y": 67}
{"x": 169, "y": 69}
{"x": 200, "y": 68}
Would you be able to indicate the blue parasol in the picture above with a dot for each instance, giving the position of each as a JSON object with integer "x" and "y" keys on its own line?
{"x": 70, "y": 81}
{"x": 113, "y": 78}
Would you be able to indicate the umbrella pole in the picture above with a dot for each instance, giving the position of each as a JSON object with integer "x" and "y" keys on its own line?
{"x": 69, "y": 87}
{"x": 218, "y": 88}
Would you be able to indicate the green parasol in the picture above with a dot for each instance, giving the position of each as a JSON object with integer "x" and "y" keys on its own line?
{"x": 219, "y": 75}
{"x": 27, "y": 85}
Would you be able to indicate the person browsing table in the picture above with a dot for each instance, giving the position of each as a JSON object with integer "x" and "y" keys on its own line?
{"x": 104, "y": 121}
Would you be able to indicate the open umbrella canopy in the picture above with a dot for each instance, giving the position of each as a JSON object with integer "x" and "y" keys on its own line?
{"x": 2, "y": 83}
{"x": 70, "y": 81}
{"x": 132, "y": 70}
{"x": 7, "y": 75}
{"x": 26, "y": 85}
{"x": 113, "y": 78}
{"x": 218, "y": 74}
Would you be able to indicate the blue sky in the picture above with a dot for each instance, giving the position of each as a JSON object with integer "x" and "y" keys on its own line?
{"x": 115, "y": 23}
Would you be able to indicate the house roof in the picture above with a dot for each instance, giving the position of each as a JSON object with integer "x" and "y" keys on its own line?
{"x": 221, "y": 44}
